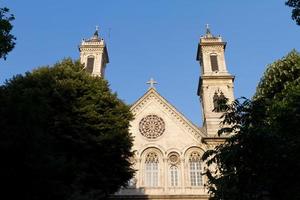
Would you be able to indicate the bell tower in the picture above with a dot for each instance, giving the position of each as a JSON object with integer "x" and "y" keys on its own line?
{"x": 93, "y": 55}
{"x": 215, "y": 81}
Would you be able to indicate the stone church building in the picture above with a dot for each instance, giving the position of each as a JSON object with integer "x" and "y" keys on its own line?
{"x": 168, "y": 147}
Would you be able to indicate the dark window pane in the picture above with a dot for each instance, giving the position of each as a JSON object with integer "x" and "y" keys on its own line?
{"x": 214, "y": 62}
{"x": 90, "y": 65}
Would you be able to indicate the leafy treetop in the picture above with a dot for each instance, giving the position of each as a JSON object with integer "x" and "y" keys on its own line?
{"x": 7, "y": 40}
{"x": 261, "y": 160}
{"x": 279, "y": 75}
{"x": 295, "y": 4}
{"x": 64, "y": 135}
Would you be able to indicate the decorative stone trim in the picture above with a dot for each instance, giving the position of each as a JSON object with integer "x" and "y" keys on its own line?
{"x": 152, "y": 95}
{"x": 174, "y": 158}
{"x": 212, "y": 142}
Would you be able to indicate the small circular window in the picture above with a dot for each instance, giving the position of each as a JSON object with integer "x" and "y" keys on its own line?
{"x": 174, "y": 158}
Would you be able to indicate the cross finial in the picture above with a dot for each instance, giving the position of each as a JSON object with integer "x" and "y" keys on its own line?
{"x": 96, "y": 34}
{"x": 151, "y": 82}
{"x": 207, "y": 29}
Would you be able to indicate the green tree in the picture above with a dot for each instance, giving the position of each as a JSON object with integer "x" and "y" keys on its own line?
{"x": 261, "y": 159}
{"x": 295, "y": 4}
{"x": 7, "y": 40}
{"x": 63, "y": 135}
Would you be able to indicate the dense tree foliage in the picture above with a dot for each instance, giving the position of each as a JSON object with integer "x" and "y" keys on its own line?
{"x": 262, "y": 158}
{"x": 7, "y": 40}
{"x": 295, "y": 4}
{"x": 63, "y": 135}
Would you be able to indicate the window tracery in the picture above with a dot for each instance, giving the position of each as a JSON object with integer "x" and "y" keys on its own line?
{"x": 152, "y": 126}
{"x": 151, "y": 170}
{"x": 174, "y": 175}
{"x": 173, "y": 160}
{"x": 195, "y": 169}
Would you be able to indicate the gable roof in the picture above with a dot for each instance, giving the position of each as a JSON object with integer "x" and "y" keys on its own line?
{"x": 151, "y": 95}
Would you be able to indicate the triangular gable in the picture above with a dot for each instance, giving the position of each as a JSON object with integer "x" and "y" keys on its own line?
{"x": 151, "y": 95}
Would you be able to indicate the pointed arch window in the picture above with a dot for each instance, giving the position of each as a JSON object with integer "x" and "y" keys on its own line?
{"x": 195, "y": 169}
{"x": 90, "y": 64}
{"x": 151, "y": 170}
{"x": 214, "y": 62}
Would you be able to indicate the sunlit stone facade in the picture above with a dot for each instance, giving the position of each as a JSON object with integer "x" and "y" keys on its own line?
{"x": 93, "y": 55}
{"x": 168, "y": 147}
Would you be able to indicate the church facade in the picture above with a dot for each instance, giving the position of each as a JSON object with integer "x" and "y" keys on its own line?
{"x": 168, "y": 147}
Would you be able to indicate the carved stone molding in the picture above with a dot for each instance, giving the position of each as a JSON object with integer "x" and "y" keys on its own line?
{"x": 174, "y": 158}
{"x": 216, "y": 48}
{"x": 170, "y": 110}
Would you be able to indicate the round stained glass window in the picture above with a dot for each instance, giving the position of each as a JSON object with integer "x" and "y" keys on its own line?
{"x": 152, "y": 126}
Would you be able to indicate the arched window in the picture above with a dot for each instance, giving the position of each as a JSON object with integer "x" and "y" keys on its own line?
{"x": 214, "y": 62}
{"x": 174, "y": 175}
{"x": 151, "y": 170}
{"x": 195, "y": 169}
{"x": 90, "y": 64}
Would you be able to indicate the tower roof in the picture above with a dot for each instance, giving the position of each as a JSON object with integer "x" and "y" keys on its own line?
{"x": 96, "y": 43}
{"x": 96, "y": 32}
{"x": 95, "y": 37}
{"x": 209, "y": 40}
{"x": 208, "y": 33}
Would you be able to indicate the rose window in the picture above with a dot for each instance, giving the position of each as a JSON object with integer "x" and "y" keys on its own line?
{"x": 152, "y": 126}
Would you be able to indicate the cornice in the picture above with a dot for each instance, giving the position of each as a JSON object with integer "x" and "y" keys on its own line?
{"x": 212, "y": 43}
{"x": 211, "y": 142}
{"x": 218, "y": 76}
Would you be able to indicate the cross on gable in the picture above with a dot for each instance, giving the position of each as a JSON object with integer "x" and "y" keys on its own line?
{"x": 151, "y": 82}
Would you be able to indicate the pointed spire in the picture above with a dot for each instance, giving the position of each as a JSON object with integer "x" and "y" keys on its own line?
{"x": 96, "y": 34}
{"x": 207, "y": 29}
{"x": 208, "y": 33}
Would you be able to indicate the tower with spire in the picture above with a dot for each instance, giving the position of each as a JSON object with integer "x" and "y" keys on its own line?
{"x": 215, "y": 82}
{"x": 93, "y": 54}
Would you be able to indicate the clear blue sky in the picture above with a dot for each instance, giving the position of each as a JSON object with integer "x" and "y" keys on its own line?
{"x": 154, "y": 38}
